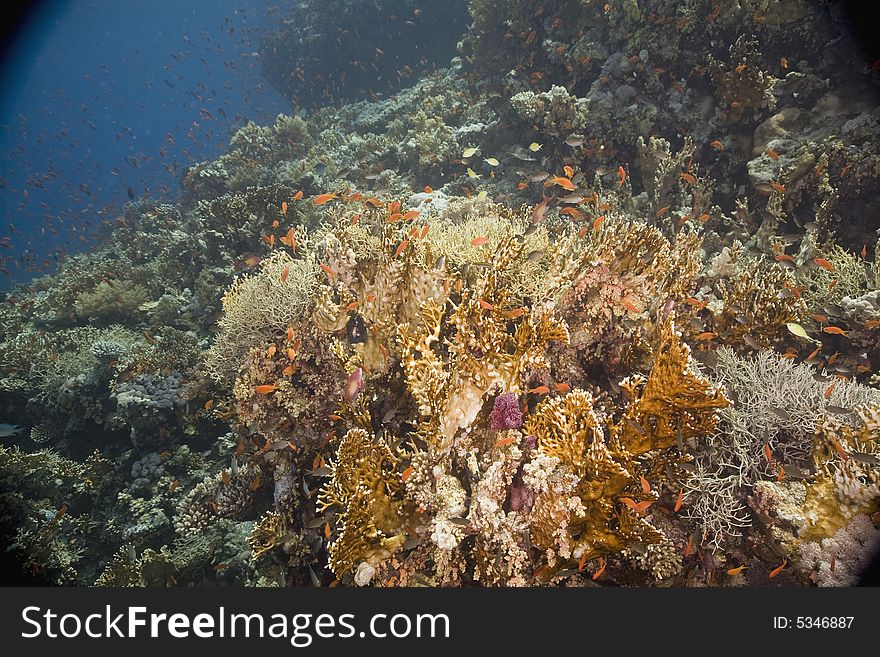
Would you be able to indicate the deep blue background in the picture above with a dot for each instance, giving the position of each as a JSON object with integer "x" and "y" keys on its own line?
{"x": 92, "y": 95}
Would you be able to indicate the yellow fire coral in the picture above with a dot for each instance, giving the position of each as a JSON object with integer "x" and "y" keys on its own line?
{"x": 363, "y": 490}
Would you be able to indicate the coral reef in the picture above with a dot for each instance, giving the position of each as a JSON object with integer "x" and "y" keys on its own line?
{"x": 595, "y": 304}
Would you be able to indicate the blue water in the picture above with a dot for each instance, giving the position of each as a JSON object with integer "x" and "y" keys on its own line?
{"x": 104, "y": 100}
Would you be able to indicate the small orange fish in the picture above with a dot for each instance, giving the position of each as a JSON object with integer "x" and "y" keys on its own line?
{"x": 428, "y": 190}
{"x": 563, "y": 182}
{"x": 522, "y": 185}
{"x": 562, "y": 388}
{"x": 284, "y": 207}
{"x": 298, "y": 195}
{"x": 266, "y": 389}
{"x": 255, "y": 484}
{"x": 60, "y": 513}
{"x": 598, "y": 222}
{"x": 276, "y": 223}
{"x": 505, "y": 441}
{"x": 716, "y": 144}
{"x": 703, "y": 218}
{"x": 376, "y": 203}
{"x": 149, "y": 337}
{"x": 406, "y": 473}
{"x": 864, "y": 251}
{"x": 662, "y": 211}
{"x": 357, "y": 196}
{"x": 768, "y": 454}
{"x": 289, "y": 239}
{"x": 780, "y": 474}
{"x": 638, "y": 507}
{"x": 822, "y": 319}
{"x": 214, "y": 506}
{"x": 269, "y": 239}
{"x": 872, "y": 323}
{"x": 621, "y": 176}
{"x": 678, "y": 500}
{"x": 479, "y": 241}
{"x": 814, "y": 353}
{"x": 540, "y": 390}
{"x": 327, "y": 530}
{"x": 424, "y": 231}
{"x": 778, "y": 569}
{"x": 572, "y": 212}
{"x": 832, "y": 284}
{"x": 688, "y": 178}
{"x": 778, "y": 187}
{"x": 646, "y": 485}
{"x": 740, "y": 68}
{"x": 224, "y": 477}
{"x": 173, "y": 486}
{"x": 271, "y": 351}
{"x": 583, "y": 560}
{"x": 696, "y": 303}
{"x": 829, "y": 390}
{"x": 328, "y": 271}
{"x": 287, "y": 371}
{"x": 784, "y": 256}
{"x": 834, "y": 330}
{"x": 630, "y": 306}
{"x": 737, "y": 570}
{"x": 824, "y": 264}
{"x": 371, "y": 297}
{"x": 601, "y": 570}
{"x": 568, "y": 171}
{"x": 351, "y": 306}
{"x": 706, "y": 335}
{"x": 284, "y": 274}
{"x": 393, "y": 217}
{"x": 513, "y": 314}
{"x": 841, "y": 452}
{"x": 220, "y": 566}
{"x": 689, "y": 547}
{"x": 323, "y": 198}
{"x": 290, "y": 334}
{"x": 773, "y": 155}
{"x": 582, "y": 232}
{"x": 209, "y": 405}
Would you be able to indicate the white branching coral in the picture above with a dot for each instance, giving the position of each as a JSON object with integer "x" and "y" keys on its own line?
{"x": 777, "y": 403}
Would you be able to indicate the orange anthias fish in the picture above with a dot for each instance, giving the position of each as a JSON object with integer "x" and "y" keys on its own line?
{"x": 678, "y": 500}
{"x": 298, "y": 195}
{"x": 479, "y": 241}
{"x": 776, "y": 571}
{"x": 688, "y": 178}
{"x": 289, "y": 239}
{"x": 638, "y": 507}
{"x": 562, "y": 388}
{"x": 266, "y": 389}
{"x": 540, "y": 390}
{"x": 621, "y": 176}
{"x": 562, "y": 181}
{"x": 406, "y": 473}
{"x": 824, "y": 264}
{"x": 737, "y": 570}
{"x": 323, "y": 198}
{"x": 834, "y": 330}
{"x": 717, "y": 145}
{"x": 284, "y": 274}
{"x": 505, "y": 441}
{"x": 284, "y": 207}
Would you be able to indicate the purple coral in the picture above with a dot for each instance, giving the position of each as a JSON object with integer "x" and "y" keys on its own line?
{"x": 506, "y": 413}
